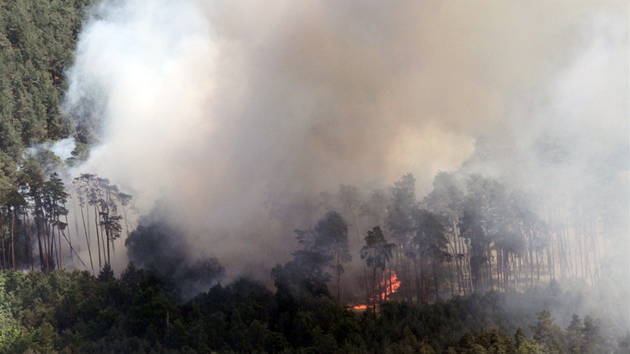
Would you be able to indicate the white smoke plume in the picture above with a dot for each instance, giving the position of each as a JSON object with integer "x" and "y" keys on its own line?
{"x": 231, "y": 111}
{"x": 62, "y": 149}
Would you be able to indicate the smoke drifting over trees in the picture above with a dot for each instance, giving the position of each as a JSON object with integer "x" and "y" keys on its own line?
{"x": 428, "y": 162}
{"x": 235, "y": 112}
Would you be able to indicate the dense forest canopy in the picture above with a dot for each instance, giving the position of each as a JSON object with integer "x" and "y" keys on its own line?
{"x": 37, "y": 41}
{"x": 201, "y": 177}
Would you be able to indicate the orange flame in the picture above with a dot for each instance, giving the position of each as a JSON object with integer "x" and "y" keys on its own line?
{"x": 390, "y": 284}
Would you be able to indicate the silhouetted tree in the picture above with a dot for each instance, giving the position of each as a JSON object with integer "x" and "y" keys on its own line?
{"x": 446, "y": 201}
{"x": 430, "y": 238}
{"x": 548, "y": 333}
{"x": 376, "y": 253}
{"x": 324, "y": 247}
{"x": 55, "y": 197}
{"x": 574, "y": 338}
{"x": 401, "y": 225}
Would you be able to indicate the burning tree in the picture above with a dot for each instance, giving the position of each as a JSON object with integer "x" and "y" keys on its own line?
{"x": 376, "y": 253}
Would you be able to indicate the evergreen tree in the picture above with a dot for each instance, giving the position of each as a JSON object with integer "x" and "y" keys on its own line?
{"x": 376, "y": 253}
{"x": 547, "y": 333}
{"x": 400, "y": 223}
{"x": 430, "y": 238}
{"x": 324, "y": 247}
{"x": 574, "y": 337}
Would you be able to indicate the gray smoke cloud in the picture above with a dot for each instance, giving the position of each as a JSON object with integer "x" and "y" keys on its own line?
{"x": 232, "y": 111}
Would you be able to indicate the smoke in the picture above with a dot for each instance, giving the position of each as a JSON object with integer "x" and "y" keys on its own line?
{"x": 230, "y": 112}
{"x": 62, "y": 149}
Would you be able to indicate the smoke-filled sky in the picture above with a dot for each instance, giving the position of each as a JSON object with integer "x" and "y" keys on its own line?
{"x": 225, "y": 110}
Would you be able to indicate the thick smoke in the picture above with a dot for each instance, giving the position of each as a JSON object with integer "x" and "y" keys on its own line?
{"x": 231, "y": 112}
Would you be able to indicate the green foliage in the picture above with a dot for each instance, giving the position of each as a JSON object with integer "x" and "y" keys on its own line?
{"x": 36, "y": 45}
{"x": 548, "y": 333}
{"x": 142, "y": 310}
{"x": 401, "y": 210}
{"x": 325, "y": 247}
{"x": 376, "y": 253}
{"x": 76, "y": 312}
{"x": 574, "y": 338}
{"x": 161, "y": 248}
{"x": 593, "y": 340}
{"x": 13, "y": 336}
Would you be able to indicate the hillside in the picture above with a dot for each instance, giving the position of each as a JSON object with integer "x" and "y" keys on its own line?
{"x": 197, "y": 177}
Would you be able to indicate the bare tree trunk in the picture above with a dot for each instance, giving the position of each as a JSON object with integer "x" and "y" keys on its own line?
{"x": 76, "y": 220}
{"x": 127, "y": 222}
{"x": 338, "y": 279}
{"x": 489, "y": 267}
{"x": 27, "y": 230}
{"x": 415, "y": 268}
{"x": 507, "y": 269}
{"x": 530, "y": 261}
{"x": 550, "y": 263}
{"x": 69, "y": 238}
{"x": 538, "y": 268}
{"x": 87, "y": 239}
{"x": 374, "y": 287}
{"x": 437, "y": 281}
{"x": 457, "y": 266}
{"x": 108, "y": 241}
{"x": 500, "y": 270}
{"x": 423, "y": 281}
{"x": 466, "y": 268}
{"x": 59, "y": 245}
{"x": 367, "y": 288}
{"x": 72, "y": 250}
{"x": 389, "y": 280}
{"x": 12, "y": 240}
{"x": 450, "y": 275}
{"x": 53, "y": 244}
{"x": 39, "y": 242}
{"x": 98, "y": 238}
{"x": 3, "y": 241}
{"x": 47, "y": 246}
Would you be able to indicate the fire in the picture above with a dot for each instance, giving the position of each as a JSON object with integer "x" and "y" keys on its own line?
{"x": 387, "y": 286}
{"x": 390, "y": 284}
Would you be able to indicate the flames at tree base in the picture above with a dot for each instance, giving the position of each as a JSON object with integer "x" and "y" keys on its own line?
{"x": 388, "y": 286}
{"x": 360, "y": 307}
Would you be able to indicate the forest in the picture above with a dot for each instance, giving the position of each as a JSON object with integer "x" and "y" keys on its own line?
{"x": 477, "y": 265}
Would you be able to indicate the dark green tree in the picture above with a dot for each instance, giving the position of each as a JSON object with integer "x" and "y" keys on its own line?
{"x": 324, "y": 247}
{"x": 480, "y": 223}
{"x": 32, "y": 178}
{"x": 574, "y": 338}
{"x": 547, "y": 333}
{"x": 446, "y": 201}
{"x": 432, "y": 244}
{"x": 593, "y": 342}
{"x": 400, "y": 223}
{"x": 333, "y": 233}
{"x": 376, "y": 253}
{"x": 54, "y": 199}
